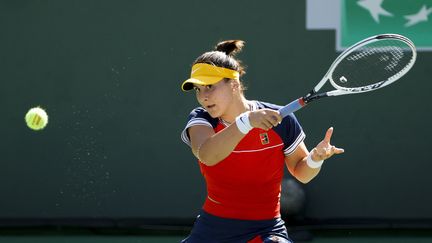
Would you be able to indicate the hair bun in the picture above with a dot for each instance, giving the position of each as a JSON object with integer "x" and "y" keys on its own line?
{"x": 230, "y": 47}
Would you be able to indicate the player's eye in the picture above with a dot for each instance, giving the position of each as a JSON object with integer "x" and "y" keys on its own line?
{"x": 196, "y": 89}
{"x": 209, "y": 86}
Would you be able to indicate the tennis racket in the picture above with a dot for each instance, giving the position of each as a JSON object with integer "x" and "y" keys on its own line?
{"x": 370, "y": 64}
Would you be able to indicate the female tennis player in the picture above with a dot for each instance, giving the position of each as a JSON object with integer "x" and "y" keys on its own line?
{"x": 242, "y": 146}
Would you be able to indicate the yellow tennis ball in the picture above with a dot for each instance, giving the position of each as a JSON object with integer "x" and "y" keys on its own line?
{"x": 36, "y": 118}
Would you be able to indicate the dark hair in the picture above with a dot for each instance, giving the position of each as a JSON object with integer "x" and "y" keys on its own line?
{"x": 223, "y": 56}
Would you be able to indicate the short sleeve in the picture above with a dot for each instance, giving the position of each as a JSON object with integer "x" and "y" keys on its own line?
{"x": 293, "y": 134}
{"x": 198, "y": 116}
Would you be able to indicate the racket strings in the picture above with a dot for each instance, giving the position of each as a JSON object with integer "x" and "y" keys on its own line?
{"x": 372, "y": 65}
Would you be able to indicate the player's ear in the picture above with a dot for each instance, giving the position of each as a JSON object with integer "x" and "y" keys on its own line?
{"x": 235, "y": 84}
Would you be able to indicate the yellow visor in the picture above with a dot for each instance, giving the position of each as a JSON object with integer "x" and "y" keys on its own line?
{"x": 206, "y": 74}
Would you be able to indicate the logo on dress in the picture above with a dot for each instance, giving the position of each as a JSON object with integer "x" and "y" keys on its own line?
{"x": 264, "y": 138}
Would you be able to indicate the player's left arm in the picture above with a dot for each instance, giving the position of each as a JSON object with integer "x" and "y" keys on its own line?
{"x": 296, "y": 162}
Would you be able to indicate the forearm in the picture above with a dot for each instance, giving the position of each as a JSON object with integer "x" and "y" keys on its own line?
{"x": 303, "y": 172}
{"x": 298, "y": 166}
{"x": 219, "y": 146}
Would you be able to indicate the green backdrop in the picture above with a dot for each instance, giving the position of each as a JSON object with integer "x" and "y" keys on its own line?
{"x": 109, "y": 73}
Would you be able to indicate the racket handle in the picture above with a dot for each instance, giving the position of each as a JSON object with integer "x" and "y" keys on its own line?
{"x": 292, "y": 107}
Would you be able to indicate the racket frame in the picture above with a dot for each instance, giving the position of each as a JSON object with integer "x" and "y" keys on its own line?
{"x": 313, "y": 94}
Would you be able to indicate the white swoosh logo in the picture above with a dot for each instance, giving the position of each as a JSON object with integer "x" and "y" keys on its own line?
{"x": 193, "y": 71}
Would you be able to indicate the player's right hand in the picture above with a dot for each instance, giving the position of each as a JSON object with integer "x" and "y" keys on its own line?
{"x": 264, "y": 118}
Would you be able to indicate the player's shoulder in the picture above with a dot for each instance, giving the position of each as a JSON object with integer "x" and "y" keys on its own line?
{"x": 199, "y": 113}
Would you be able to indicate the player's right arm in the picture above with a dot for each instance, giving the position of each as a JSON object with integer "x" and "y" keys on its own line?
{"x": 210, "y": 147}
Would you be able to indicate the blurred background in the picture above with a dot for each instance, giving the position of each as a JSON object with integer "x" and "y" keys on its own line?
{"x": 108, "y": 74}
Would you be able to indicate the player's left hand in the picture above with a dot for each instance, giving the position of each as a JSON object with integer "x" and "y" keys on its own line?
{"x": 324, "y": 149}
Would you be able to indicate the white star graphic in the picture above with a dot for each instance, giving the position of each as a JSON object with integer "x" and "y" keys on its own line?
{"x": 421, "y": 16}
{"x": 374, "y": 8}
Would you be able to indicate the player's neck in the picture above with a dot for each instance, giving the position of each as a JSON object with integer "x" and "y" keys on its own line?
{"x": 238, "y": 107}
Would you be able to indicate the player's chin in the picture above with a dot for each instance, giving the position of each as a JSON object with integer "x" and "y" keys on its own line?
{"x": 213, "y": 114}
{"x": 213, "y": 111}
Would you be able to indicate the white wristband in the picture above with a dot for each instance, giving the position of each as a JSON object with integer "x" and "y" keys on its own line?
{"x": 313, "y": 164}
{"x": 242, "y": 122}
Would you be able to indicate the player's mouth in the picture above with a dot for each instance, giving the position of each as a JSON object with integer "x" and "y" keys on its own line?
{"x": 209, "y": 107}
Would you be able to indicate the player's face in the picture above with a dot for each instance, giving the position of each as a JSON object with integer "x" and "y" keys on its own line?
{"x": 215, "y": 98}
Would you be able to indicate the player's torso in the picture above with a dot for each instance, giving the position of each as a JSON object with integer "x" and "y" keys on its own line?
{"x": 257, "y": 159}
{"x": 246, "y": 184}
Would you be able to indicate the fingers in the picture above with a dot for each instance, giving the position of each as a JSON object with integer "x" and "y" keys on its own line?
{"x": 333, "y": 149}
{"x": 267, "y": 124}
{"x": 328, "y": 135}
{"x": 337, "y": 150}
{"x": 276, "y": 119}
{"x": 322, "y": 153}
{"x": 324, "y": 149}
{"x": 265, "y": 119}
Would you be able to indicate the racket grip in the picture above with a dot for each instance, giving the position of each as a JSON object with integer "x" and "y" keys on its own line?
{"x": 292, "y": 107}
